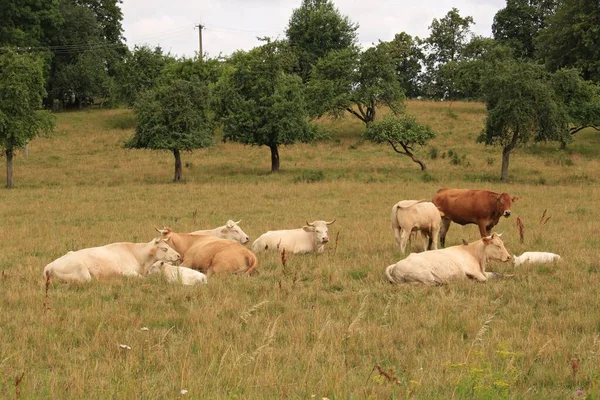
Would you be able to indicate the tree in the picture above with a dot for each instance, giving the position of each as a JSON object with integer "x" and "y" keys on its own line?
{"x": 402, "y": 134}
{"x": 580, "y": 98}
{"x": 21, "y": 94}
{"x": 173, "y": 116}
{"x": 358, "y": 83}
{"x": 571, "y": 38}
{"x": 406, "y": 56}
{"x": 522, "y": 106}
{"x": 259, "y": 103}
{"x": 28, "y": 23}
{"x": 141, "y": 70}
{"x": 315, "y": 29}
{"x": 449, "y": 35}
{"x": 517, "y": 25}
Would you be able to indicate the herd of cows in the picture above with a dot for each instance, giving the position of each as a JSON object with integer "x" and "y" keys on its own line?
{"x": 223, "y": 250}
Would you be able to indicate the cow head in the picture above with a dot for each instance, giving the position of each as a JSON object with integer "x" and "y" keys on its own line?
{"x": 163, "y": 252}
{"x": 494, "y": 248}
{"x": 319, "y": 228}
{"x": 232, "y": 231}
{"x": 156, "y": 268}
{"x": 504, "y": 203}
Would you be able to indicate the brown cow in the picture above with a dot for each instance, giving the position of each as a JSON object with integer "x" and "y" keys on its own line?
{"x": 210, "y": 254}
{"x": 467, "y": 206}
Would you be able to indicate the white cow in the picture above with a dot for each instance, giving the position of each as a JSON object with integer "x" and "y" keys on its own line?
{"x": 230, "y": 231}
{"x": 535, "y": 257}
{"x": 310, "y": 238}
{"x": 416, "y": 215}
{"x": 126, "y": 259}
{"x": 174, "y": 274}
{"x": 438, "y": 267}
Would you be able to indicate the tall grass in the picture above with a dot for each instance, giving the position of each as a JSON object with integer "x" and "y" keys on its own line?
{"x": 314, "y": 324}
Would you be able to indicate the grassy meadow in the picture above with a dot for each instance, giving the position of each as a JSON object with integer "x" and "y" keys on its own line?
{"x": 322, "y": 325}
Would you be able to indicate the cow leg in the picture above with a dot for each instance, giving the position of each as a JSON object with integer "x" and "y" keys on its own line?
{"x": 404, "y": 239}
{"x": 483, "y": 230}
{"x": 131, "y": 273}
{"x": 433, "y": 239}
{"x": 443, "y": 230}
{"x": 398, "y": 235}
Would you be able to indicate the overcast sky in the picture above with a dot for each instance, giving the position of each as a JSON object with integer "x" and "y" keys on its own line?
{"x": 234, "y": 24}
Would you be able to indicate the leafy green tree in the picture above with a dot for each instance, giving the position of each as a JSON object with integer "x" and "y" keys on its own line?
{"x": 402, "y": 134}
{"x": 28, "y": 23}
{"x": 315, "y": 29}
{"x": 581, "y": 99}
{"x": 517, "y": 25}
{"x": 447, "y": 39}
{"x": 358, "y": 83}
{"x": 21, "y": 94}
{"x": 406, "y": 56}
{"x": 259, "y": 103}
{"x": 522, "y": 107}
{"x": 173, "y": 116}
{"x": 571, "y": 38}
{"x": 140, "y": 71}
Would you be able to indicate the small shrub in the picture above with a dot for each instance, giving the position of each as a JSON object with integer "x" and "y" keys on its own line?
{"x": 433, "y": 153}
{"x": 542, "y": 181}
{"x": 490, "y": 161}
{"x": 310, "y": 176}
{"x": 188, "y": 164}
{"x": 122, "y": 121}
{"x": 427, "y": 177}
{"x": 452, "y": 114}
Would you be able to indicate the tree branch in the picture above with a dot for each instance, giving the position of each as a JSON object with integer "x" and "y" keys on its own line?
{"x": 357, "y": 115}
{"x": 576, "y": 129}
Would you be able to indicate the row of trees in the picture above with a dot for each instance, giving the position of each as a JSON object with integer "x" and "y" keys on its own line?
{"x": 538, "y": 76}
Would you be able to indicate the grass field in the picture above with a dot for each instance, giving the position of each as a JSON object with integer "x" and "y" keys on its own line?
{"x": 322, "y": 325}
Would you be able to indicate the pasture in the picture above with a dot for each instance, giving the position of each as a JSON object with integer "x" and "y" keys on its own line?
{"x": 323, "y": 325}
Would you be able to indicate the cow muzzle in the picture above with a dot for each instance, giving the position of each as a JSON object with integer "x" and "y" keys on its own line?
{"x": 506, "y": 213}
{"x": 325, "y": 240}
{"x": 246, "y": 240}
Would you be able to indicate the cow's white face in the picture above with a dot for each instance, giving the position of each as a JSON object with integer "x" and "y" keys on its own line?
{"x": 155, "y": 268}
{"x": 164, "y": 252}
{"x": 232, "y": 231}
{"x": 319, "y": 229}
{"x": 494, "y": 248}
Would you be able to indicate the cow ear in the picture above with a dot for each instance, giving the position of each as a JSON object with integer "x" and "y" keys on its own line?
{"x": 308, "y": 228}
{"x": 486, "y": 240}
{"x": 230, "y": 224}
{"x": 224, "y": 230}
{"x": 515, "y": 198}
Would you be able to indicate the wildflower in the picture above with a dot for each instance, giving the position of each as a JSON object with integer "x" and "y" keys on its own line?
{"x": 144, "y": 329}
{"x": 579, "y": 392}
{"x": 125, "y": 347}
{"x": 183, "y": 392}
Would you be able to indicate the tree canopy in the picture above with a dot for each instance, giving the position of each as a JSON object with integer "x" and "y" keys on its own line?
{"x": 173, "y": 116}
{"x": 21, "y": 94}
{"x": 315, "y": 29}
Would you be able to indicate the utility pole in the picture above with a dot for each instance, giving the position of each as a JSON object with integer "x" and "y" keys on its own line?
{"x": 200, "y": 27}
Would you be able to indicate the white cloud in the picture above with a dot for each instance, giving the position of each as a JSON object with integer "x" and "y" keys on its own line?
{"x": 234, "y": 24}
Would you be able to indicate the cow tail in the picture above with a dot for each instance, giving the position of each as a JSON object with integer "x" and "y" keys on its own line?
{"x": 46, "y": 273}
{"x": 251, "y": 264}
{"x": 388, "y": 273}
{"x": 394, "y": 217}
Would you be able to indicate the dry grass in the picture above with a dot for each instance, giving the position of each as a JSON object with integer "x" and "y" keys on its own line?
{"x": 320, "y": 323}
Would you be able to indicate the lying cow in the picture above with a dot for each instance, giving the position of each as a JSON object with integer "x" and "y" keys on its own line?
{"x": 437, "y": 267}
{"x": 209, "y": 254}
{"x": 174, "y": 274}
{"x": 311, "y": 238}
{"x": 416, "y": 215}
{"x": 126, "y": 259}
{"x": 467, "y": 206}
{"x": 539, "y": 257}
{"x": 230, "y": 231}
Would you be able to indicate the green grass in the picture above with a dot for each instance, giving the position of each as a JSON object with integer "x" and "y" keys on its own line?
{"x": 320, "y": 325}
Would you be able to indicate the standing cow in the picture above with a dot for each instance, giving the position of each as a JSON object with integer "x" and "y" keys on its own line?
{"x": 416, "y": 215}
{"x": 311, "y": 238}
{"x": 210, "y": 254}
{"x": 468, "y": 206}
{"x": 454, "y": 263}
{"x": 230, "y": 231}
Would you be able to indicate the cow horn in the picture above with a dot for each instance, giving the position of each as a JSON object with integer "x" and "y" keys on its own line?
{"x": 238, "y": 222}
{"x": 500, "y": 234}
{"x": 161, "y": 231}
{"x": 329, "y": 223}
{"x": 309, "y": 223}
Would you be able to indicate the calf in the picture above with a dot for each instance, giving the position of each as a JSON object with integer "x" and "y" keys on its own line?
{"x": 311, "y": 238}
{"x": 413, "y": 215}
{"x": 536, "y": 257}
{"x": 174, "y": 274}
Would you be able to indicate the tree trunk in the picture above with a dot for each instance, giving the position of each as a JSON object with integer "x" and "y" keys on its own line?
{"x": 505, "y": 158}
{"x": 177, "y": 155}
{"x": 26, "y": 151}
{"x": 274, "y": 158}
{"x": 9, "y": 168}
